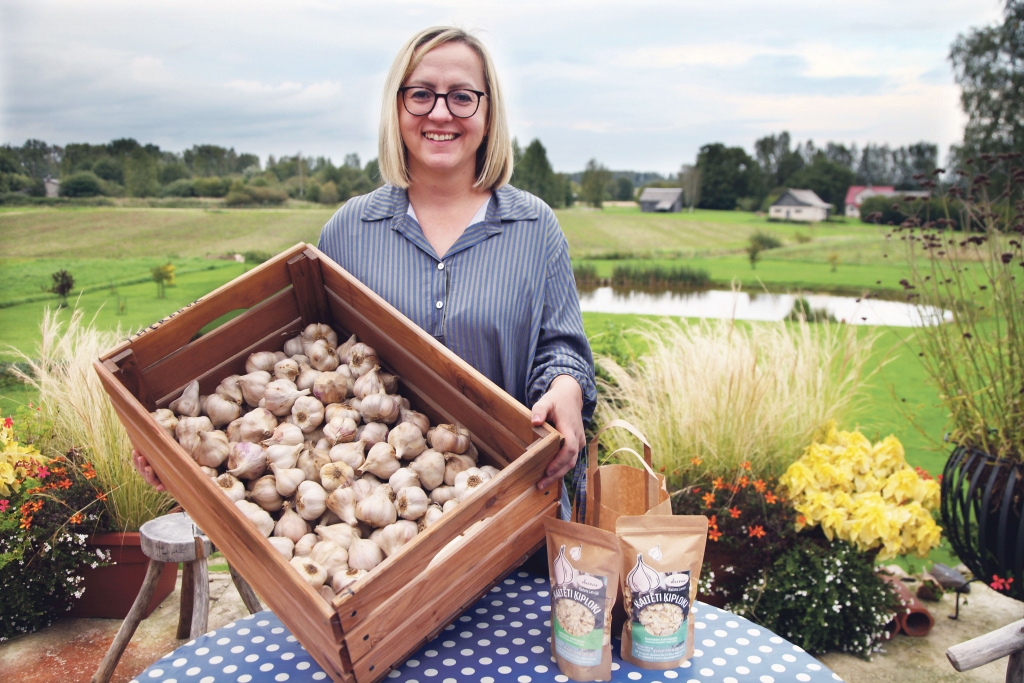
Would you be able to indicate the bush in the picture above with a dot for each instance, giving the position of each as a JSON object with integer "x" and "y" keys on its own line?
{"x": 182, "y": 187}
{"x": 257, "y": 256}
{"x": 329, "y": 194}
{"x": 109, "y": 169}
{"x": 211, "y": 187}
{"x": 659, "y": 277}
{"x": 585, "y": 274}
{"x": 242, "y": 194}
{"x": 894, "y": 210}
{"x": 83, "y": 184}
{"x": 765, "y": 241}
{"x": 171, "y": 172}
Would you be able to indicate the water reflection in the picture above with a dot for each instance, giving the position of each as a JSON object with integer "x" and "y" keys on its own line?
{"x": 761, "y": 306}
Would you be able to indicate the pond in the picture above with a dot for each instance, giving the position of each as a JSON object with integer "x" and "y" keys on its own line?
{"x": 756, "y": 306}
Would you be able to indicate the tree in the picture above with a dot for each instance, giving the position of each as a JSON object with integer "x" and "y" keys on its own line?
{"x": 533, "y": 173}
{"x": 163, "y": 276}
{"x": 727, "y": 173}
{"x": 624, "y": 190}
{"x": 62, "y": 285}
{"x": 109, "y": 169}
{"x": 689, "y": 180}
{"x": 989, "y": 68}
{"x": 595, "y": 179}
{"x": 140, "y": 174}
{"x": 84, "y": 184}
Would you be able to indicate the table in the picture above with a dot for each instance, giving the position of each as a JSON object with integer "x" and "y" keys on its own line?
{"x": 503, "y": 638}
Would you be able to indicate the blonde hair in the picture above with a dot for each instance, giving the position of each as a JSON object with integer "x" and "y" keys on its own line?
{"x": 494, "y": 158}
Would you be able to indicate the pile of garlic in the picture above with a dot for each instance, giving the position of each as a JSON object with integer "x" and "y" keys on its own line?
{"x": 320, "y": 452}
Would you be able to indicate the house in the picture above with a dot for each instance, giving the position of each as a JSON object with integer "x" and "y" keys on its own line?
{"x": 856, "y": 195}
{"x": 667, "y": 199}
{"x": 52, "y": 186}
{"x": 800, "y": 205}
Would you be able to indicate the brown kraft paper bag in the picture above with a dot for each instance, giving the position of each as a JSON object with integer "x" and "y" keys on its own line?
{"x": 583, "y": 563}
{"x": 661, "y": 561}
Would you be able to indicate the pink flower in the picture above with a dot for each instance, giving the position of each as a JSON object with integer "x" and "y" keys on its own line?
{"x": 42, "y": 472}
{"x": 4, "y": 504}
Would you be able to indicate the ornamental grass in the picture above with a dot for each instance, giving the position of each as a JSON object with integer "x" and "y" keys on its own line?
{"x": 715, "y": 398}
{"x": 72, "y": 397}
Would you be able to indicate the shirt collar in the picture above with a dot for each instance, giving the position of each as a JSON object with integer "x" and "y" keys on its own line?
{"x": 510, "y": 205}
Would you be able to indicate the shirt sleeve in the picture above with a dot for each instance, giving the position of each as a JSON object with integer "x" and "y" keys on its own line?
{"x": 562, "y": 346}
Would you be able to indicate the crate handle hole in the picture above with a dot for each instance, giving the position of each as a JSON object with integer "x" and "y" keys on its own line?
{"x": 366, "y": 637}
{"x": 353, "y": 612}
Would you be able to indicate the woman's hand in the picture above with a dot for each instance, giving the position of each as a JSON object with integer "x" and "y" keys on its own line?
{"x": 562, "y": 406}
{"x": 142, "y": 465}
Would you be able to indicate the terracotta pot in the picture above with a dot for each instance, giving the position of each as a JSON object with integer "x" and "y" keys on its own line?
{"x": 111, "y": 590}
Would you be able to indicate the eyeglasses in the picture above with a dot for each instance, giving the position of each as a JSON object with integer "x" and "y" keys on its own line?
{"x": 420, "y": 101}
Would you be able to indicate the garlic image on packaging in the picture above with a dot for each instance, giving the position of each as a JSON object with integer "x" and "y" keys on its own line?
{"x": 330, "y": 387}
{"x": 286, "y": 369}
{"x": 253, "y": 385}
{"x": 305, "y": 544}
{"x": 563, "y": 572}
{"x": 229, "y": 389}
{"x": 655, "y": 553}
{"x": 377, "y": 510}
{"x": 421, "y": 421}
{"x": 411, "y": 503}
{"x": 220, "y": 410}
{"x": 429, "y": 466}
{"x": 335, "y": 475}
{"x": 247, "y": 460}
{"x": 231, "y": 486}
{"x": 256, "y": 426}
{"x": 280, "y": 395}
{"x": 340, "y": 430}
{"x": 432, "y": 514}
{"x": 361, "y": 359}
{"x": 352, "y": 454}
{"x": 264, "y": 493}
{"x": 287, "y": 479}
{"x": 368, "y": 383}
{"x": 259, "y": 517}
{"x": 642, "y": 578}
{"x": 364, "y": 554}
{"x": 402, "y": 478}
{"x": 394, "y": 536}
{"x": 331, "y": 556}
{"x": 576, "y": 553}
{"x": 322, "y": 357}
{"x": 372, "y": 433}
{"x": 313, "y": 573}
{"x": 343, "y": 580}
{"x": 188, "y": 403}
{"x": 467, "y": 480}
{"x": 290, "y": 525}
{"x": 307, "y": 413}
{"x": 166, "y": 419}
{"x": 342, "y": 502}
{"x": 283, "y": 545}
{"x": 449, "y": 438}
{"x": 407, "y": 439}
{"x": 381, "y": 461}
{"x": 379, "y": 407}
{"x": 283, "y": 456}
{"x": 454, "y": 464}
{"x": 212, "y": 449}
{"x": 310, "y": 500}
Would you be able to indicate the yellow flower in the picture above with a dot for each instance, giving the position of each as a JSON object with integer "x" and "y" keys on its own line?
{"x": 901, "y": 485}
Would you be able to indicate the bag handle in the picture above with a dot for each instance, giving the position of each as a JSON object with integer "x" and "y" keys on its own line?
{"x": 650, "y": 490}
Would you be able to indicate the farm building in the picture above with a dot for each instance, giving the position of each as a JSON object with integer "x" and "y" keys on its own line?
{"x": 856, "y": 195}
{"x": 52, "y": 186}
{"x": 800, "y": 205}
{"x": 668, "y": 199}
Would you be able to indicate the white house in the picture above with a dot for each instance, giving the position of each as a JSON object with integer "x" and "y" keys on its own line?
{"x": 52, "y": 186}
{"x": 800, "y": 205}
{"x": 669, "y": 199}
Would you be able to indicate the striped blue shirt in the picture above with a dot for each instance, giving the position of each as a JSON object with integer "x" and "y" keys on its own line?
{"x": 502, "y": 298}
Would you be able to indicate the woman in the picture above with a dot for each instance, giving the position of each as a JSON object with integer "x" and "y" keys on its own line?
{"x": 475, "y": 262}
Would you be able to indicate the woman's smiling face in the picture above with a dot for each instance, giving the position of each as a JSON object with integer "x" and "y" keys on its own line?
{"x": 438, "y": 143}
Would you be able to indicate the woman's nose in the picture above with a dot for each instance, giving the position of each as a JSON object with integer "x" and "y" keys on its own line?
{"x": 440, "y": 111}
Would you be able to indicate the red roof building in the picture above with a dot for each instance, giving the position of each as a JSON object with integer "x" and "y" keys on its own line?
{"x": 856, "y": 195}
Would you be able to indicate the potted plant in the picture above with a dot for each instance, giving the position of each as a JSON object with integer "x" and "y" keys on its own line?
{"x": 73, "y": 401}
{"x": 966, "y": 275}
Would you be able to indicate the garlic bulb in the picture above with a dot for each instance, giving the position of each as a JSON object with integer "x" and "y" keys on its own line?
{"x": 352, "y": 454}
{"x": 454, "y": 464}
{"x": 253, "y": 385}
{"x": 335, "y": 475}
{"x": 394, "y": 536}
{"x": 429, "y": 467}
{"x": 381, "y": 461}
{"x": 372, "y": 433}
{"x": 257, "y": 425}
{"x": 472, "y": 452}
{"x": 247, "y": 460}
{"x": 411, "y": 503}
{"x": 376, "y": 510}
{"x": 212, "y": 449}
{"x": 188, "y": 403}
{"x": 293, "y": 346}
{"x": 187, "y": 431}
{"x": 234, "y": 430}
{"x": 442, "y": 494}
{"x": 490, "y": 471}
{"x": 305, "y": 544}
{"x": 279, "y": 356}
{"x": 330, "y": 556}
{"x": 316, "y": 332}
{"x": 328, "y": 518}
{"x": 432, "y": 514}
{"x": 229, "y": 390}
{"x": 345, "y": 348}
{"x": 390, "y": 383}
{"x": 340, "y": 430}
{"x": 291, "y": 525}
{"x": 364, "y": 554}
{"x": 311, "y": 461}
{"x": 343, "y": 580}
{"x": 166, "y": 419}
{"x": 468, "y": 480}
{"x": 220, "y": 410}
{"x": 362, "y": 488}
{"x": 310, "y": 571}
{"x": 330, "y": 387}
{"x": 421, "y": 421}
{"x": 284, "y": 456}
{"x": 402, "y": 478}
{"x": 264, "y": 493}
{"x": 369, "y": 383}
{"x": 342, "y": 502}
{"x": 280, "y": 395}
{"x": 379, "y": 407}
{"x": 342, "y": 534}
{"x": 211, "y": 472}
{"x": 287, "y": 479}
{"x": 448, "y": 438}
{"x": 260, "y": 518}
{"x": 450, "y": 505}
{"x": 408, "y": 440}
{"x": 322, "y": 357}
{"x": 285, "y": 434}
{"x": 361, "y": 359}
{"x": 261, "y": 360}
{"x": 342, "y": 409}
{"x": 286, "y": 369}
{"x": 310, "y": 500}
{"x": 307, "y": 413}
{"x": 307, "y": 376}
{"x": 283, "y": 545}
{"x": 231, "y": 486}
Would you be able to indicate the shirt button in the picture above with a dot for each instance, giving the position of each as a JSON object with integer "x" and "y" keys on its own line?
{"x": 440, "y": 266}
{"x": 439, "y": 304}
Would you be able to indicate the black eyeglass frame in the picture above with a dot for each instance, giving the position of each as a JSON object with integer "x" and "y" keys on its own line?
{"x": 441, "y": 96}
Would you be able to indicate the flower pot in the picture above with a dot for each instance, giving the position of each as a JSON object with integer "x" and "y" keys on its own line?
{"x": 110, "y": 591}
{"x": 982, "y": 507}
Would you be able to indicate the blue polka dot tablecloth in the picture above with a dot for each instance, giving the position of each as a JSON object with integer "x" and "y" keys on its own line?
{"x": 504, "y": 637}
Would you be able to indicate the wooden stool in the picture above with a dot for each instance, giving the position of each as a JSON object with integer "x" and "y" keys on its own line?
{"x": 174, "y": 538}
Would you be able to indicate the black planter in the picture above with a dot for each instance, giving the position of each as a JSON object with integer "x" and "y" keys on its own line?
{"x": 982, "y": 509}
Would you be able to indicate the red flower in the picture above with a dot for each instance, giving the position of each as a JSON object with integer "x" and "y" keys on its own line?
{"x": 709, "y": 498}
{"x": 745, "y": 465}
{"x": 744, "y": 481}
{"x": 719, "y": 484}
{"x": 663, "y": 468}
{"x": 759, "y": 486}
{"x": 713, "y": 522}
{"x": 26, "y": 522}
{"x": 76, "y": 518}
{"x": 735, "y": 512}
{"x": 64, "y": 484}
{"x": 757, "y": 531}
{"x": 1001, "y": 584}
{"x": 696, "y": 489}
{"x": 4, "y": 504}
{"x": 101, "y": 496}
{"x": 801, "y": 520}
{"x": 771, "y": 498}
{"x": 8, "y": 423}
{"x": 714, "y": 534}
{"x": 695, "y": 461}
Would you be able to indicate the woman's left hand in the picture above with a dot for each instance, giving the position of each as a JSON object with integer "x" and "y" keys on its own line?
{"x": 562, "y": 406}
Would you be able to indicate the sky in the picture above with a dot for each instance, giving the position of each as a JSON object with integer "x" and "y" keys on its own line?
{"x": 636, "y": 85}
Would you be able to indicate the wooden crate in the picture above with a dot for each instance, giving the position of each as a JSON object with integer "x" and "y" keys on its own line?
{"x": 403, "y": 603}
